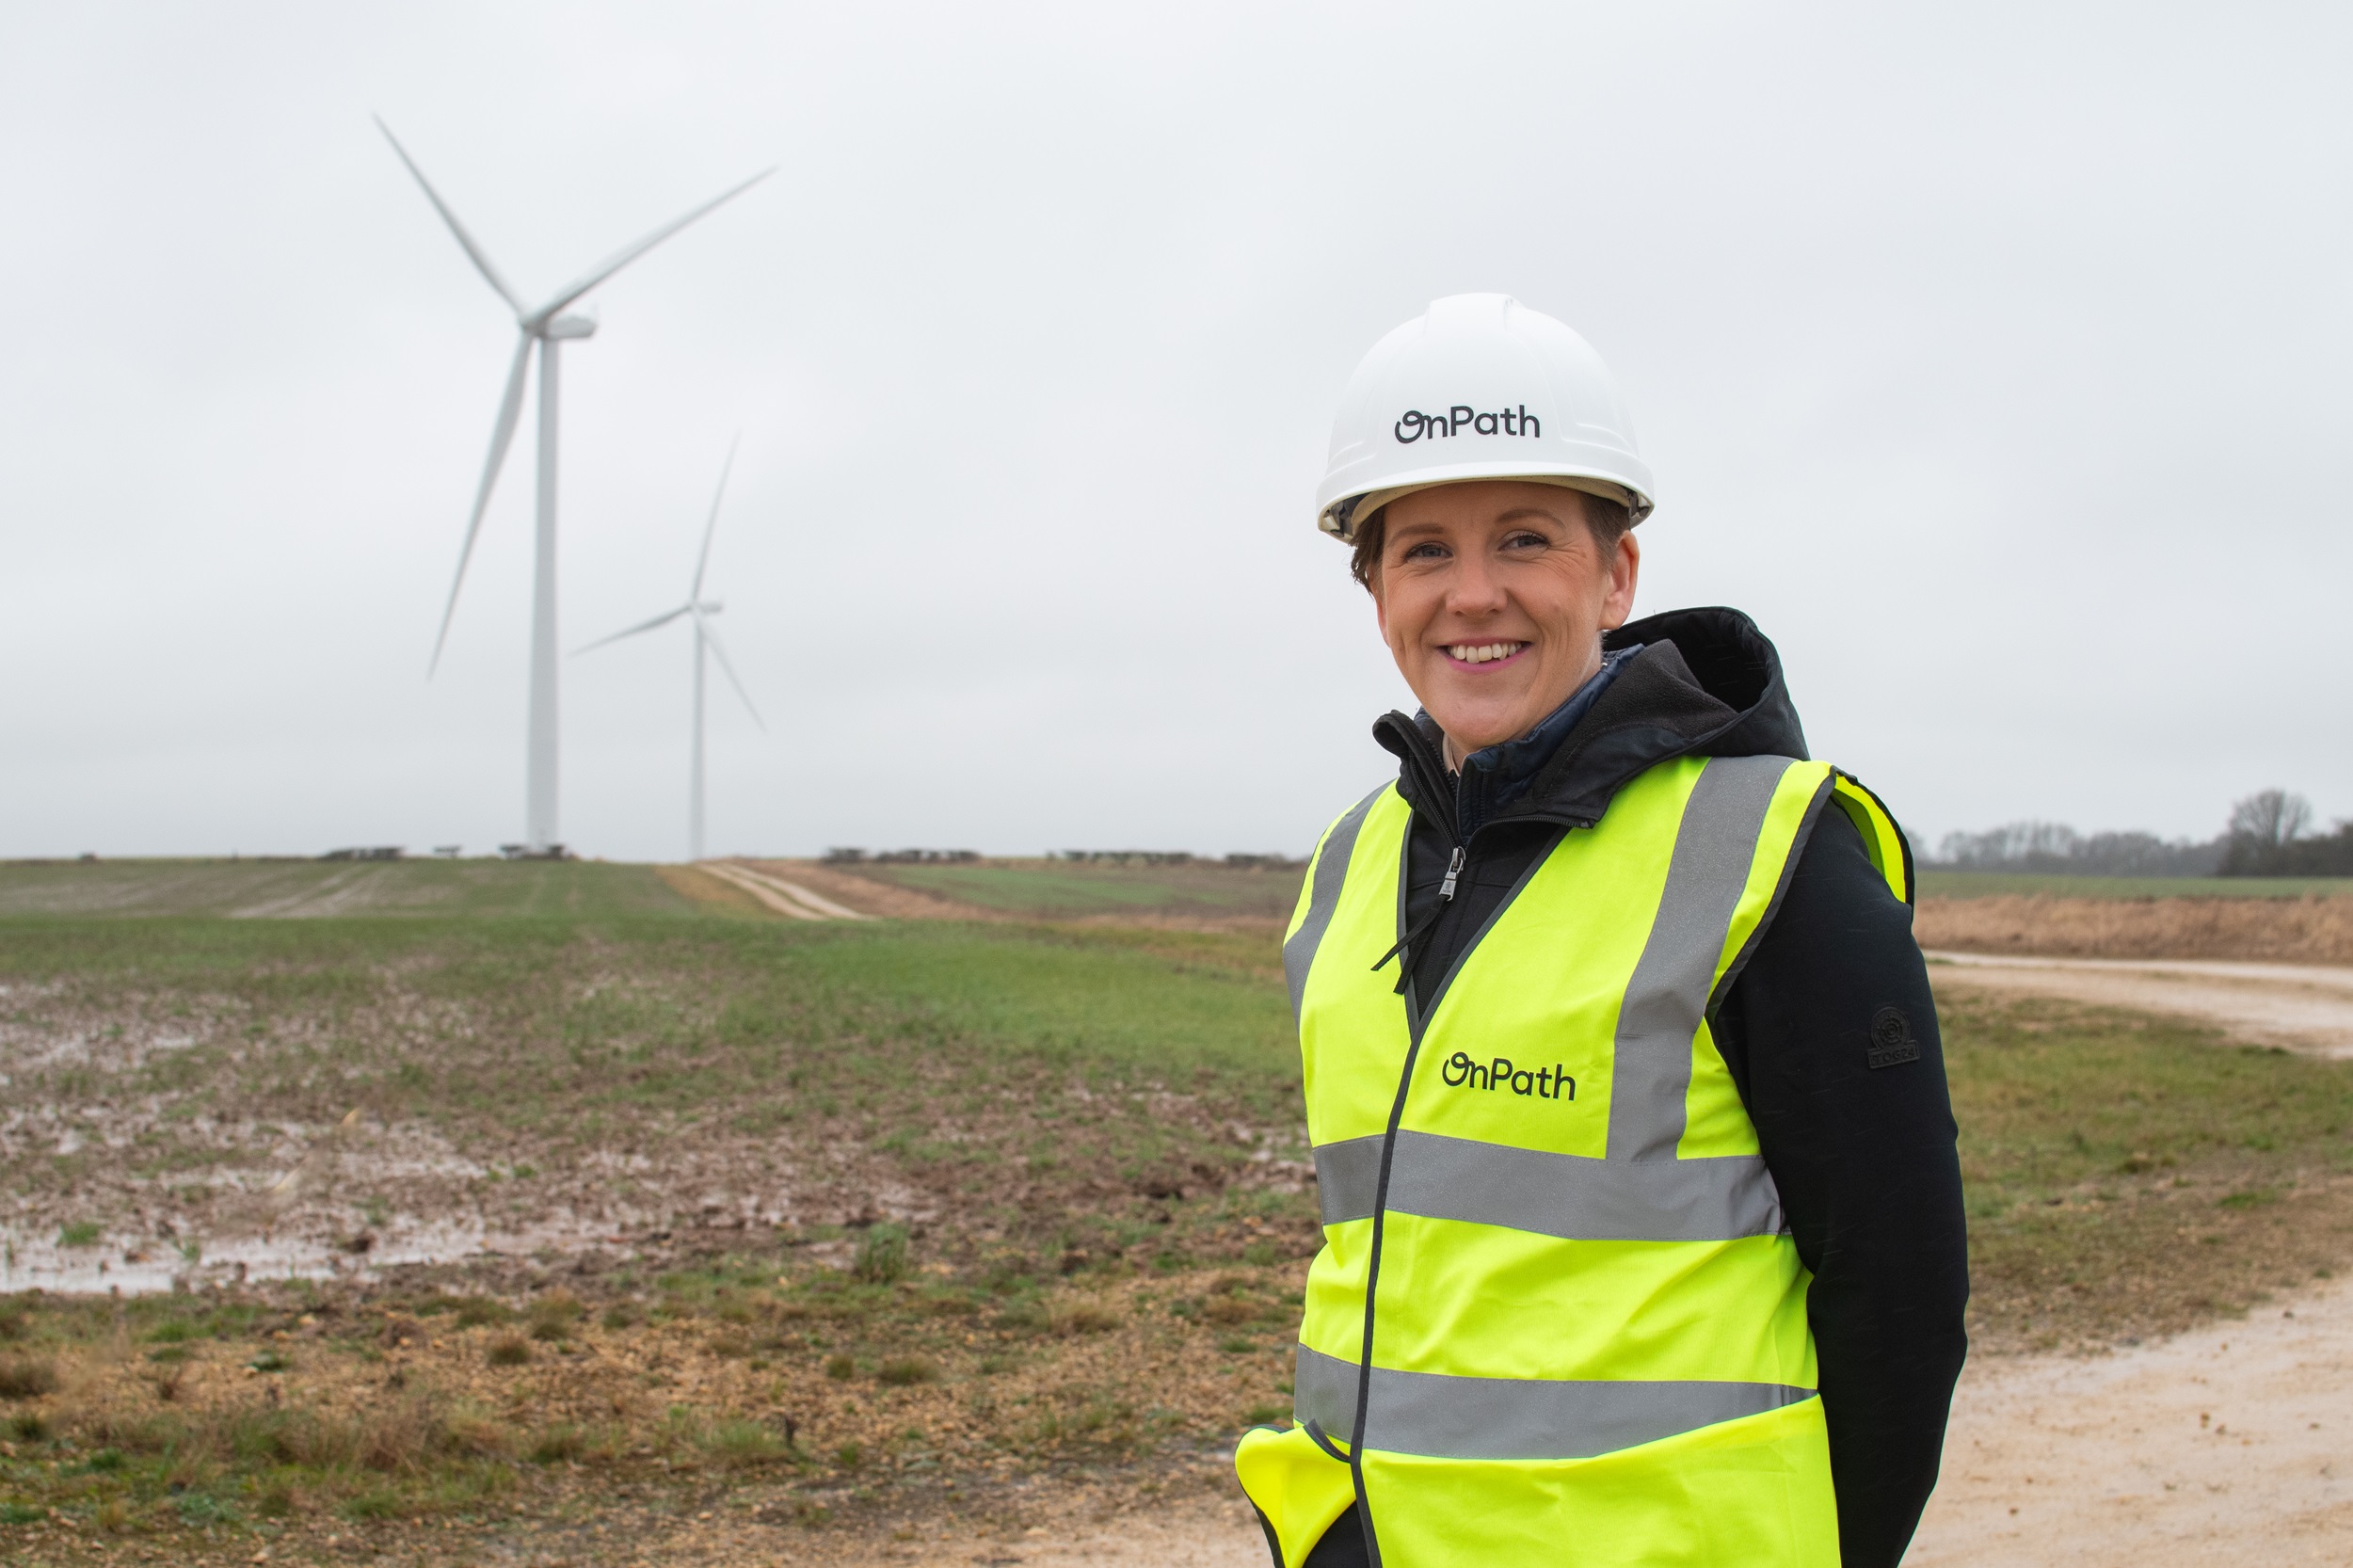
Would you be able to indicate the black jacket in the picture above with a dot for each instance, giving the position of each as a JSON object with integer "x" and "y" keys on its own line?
{"x": 1864, "y": 1156}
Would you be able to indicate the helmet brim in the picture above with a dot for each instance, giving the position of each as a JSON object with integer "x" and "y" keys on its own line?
{"x": 1338, "y": 518}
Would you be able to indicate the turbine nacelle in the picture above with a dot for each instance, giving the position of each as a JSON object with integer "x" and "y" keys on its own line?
{"x": 569, "y": 326}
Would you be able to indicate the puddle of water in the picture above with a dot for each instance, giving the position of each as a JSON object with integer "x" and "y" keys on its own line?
{"x": 27, "y": 1265}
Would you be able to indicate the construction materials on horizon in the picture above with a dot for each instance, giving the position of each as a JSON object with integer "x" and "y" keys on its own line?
{"x": 545, "y": 326}
{"x": 706, "y": 637}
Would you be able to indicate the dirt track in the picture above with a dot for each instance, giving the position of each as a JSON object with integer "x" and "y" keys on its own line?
{"x": 2304, "y": 1008}
{"x": 2222, "y": 1447}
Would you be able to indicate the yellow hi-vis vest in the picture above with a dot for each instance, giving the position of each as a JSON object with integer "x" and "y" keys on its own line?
{"x": 1558, "y": 1317}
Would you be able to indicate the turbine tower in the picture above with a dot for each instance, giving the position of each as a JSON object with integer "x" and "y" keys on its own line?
{"x": 706, "y": 637}
{"x": 547, "y": 326}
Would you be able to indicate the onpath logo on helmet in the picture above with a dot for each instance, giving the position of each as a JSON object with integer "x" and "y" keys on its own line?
{"x": 1509, "y": 421}
{"x": 1384, "y": 436}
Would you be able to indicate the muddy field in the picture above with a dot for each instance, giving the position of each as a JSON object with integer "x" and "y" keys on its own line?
{"x": 214, "y": 1100}
{"x": 619, "y": 1214}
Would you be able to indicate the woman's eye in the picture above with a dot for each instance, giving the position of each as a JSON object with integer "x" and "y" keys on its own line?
{"x": 1424, "y": 552}
{"x": 1525, "y": 541}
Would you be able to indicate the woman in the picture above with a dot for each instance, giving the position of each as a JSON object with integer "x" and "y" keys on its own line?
{"x": 1644, "y": 1238}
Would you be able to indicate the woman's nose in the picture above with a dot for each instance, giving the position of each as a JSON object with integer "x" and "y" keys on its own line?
{"x": 1475, "y": 588}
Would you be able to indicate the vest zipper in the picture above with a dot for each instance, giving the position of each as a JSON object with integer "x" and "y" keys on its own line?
{"x": 1416, "y": 1019}
{"x": 1381, "y": 1189}
{"x": 1405, "y": 943}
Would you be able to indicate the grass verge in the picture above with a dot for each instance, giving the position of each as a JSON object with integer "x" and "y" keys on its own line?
{"x": 2128, "y": 1175}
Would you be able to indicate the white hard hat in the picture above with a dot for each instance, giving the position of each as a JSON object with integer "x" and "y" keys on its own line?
{"x": 1477, "y": 387}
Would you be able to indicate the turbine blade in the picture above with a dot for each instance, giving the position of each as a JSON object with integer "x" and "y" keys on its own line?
{"x": 708, "y": 528}
{"x": 627, "y": 254}
{"x": 720, "y": 648}
{"x": 481, "y": 261}
{"x": 501, "y": 437}
{"x": 631, "y": 631}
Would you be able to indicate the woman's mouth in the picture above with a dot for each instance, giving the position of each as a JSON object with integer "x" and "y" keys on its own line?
{"x": 1483, "y": 653}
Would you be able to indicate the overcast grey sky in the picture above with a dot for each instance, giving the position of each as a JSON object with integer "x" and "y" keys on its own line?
{"x": 1993, "y": 358}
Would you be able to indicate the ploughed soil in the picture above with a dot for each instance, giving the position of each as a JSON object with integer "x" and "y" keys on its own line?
{"x": 2314, "y": 930}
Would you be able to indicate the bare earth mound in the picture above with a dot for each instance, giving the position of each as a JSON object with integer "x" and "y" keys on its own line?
{"x": 2296, "y": 931}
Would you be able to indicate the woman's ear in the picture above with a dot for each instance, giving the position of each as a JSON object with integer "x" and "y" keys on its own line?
{"x": 1617, "y": 605}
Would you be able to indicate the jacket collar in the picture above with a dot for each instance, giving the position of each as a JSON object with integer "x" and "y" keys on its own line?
{"x": 1705, "y": 683}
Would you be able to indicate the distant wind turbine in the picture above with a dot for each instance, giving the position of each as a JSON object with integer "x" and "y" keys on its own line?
{"x": 706, "y": 637}
{"x": 545, "y": 326}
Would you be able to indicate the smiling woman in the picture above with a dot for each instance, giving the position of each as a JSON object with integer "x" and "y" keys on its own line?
{"x": 1493, "y": 596}
{"x": 1712, "y": 1247}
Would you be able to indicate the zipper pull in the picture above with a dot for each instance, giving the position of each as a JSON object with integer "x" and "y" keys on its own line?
{"x": 1446, "y": 895}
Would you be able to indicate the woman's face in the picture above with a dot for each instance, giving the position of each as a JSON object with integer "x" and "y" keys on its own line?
{"x": 1493, "y": 598}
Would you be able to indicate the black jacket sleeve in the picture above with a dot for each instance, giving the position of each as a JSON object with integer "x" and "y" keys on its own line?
{"x": 1830, "y": 1034}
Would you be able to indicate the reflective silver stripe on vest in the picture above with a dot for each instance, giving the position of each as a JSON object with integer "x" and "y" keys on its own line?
{"x": 1348, "y": 1179}
{"x": 1665, "y": 1000}
{"x": 1572, "y": 1196}
{"x": 1339, "y": 846}
{"x": 1442, "y": 1417}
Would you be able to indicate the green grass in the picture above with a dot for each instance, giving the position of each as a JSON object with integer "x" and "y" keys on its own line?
{"x": 1935, "y": 884}
{"x": 2128, "y": 1175}
{"x": 630, "y": 988}
{"x": 1062, "y": 890}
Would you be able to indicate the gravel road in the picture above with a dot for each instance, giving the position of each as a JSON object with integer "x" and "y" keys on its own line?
{"x": 2306, "y": 1008}
{"x": 2220, "y": 1447}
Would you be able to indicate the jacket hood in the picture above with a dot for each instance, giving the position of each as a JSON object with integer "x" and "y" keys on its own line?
{"x": 1707, "y": 684}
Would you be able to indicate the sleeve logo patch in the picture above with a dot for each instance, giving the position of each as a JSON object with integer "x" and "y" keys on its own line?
{"x": 1890, "y": 1039}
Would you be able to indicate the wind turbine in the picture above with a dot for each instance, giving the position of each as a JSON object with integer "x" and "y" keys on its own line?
{"x": 547, "y": 326}
{"x": 706, "y": 637}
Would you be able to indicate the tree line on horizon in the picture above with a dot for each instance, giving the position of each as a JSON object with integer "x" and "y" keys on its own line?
{"x": 2269, "y": 834}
